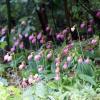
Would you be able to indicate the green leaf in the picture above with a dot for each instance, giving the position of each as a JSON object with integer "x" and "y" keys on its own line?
{"x": 3, "y": 81}
{"x": 52, "y": 85}
{"x": 3, "y": 44}
{"x": 87, "y": 78}
{"x": 86, "y": 69}
{"x": 15, "y": 62}
{"x": 28, "y": 93}
{"x": 41, "y": 89}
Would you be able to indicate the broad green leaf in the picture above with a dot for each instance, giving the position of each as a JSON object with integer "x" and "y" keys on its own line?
{"x": 41, "y": 89}
{"x": 87, "y": 78}
{"x": 3, "y": 44}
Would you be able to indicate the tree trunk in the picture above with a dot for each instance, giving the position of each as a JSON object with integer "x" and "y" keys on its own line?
{"x": 43, "y": 17}
{"x": 9, "y": 20}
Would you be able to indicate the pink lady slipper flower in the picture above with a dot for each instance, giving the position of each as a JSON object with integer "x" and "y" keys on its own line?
{"x": 80, "y": 60}
{"x": 30, "y": 79}
{"x": 16, "y": 43}
{"x": 49, "y": 45}
{"x": 9, "y": 58}
{"x": 57, "y": 59}
{"x": 6, "y": 57}
{"x": 57, "y": 77}
{"x": 90, "y": 30}
{"x": 30, "y": 56}
{"x": 98, "y": 14}
{"x": 82, "y": 25}
{"x": 65, "y": 51}
{"x": 91, "y": 21}
{"x": 39, "y": 36}
{"x": 40, "y": 69}
{"x": 57, "y": 64}
{"x": 48, "y": 29}
{"x": 94, "y": 41}
{"x": 23, "y": 65}
{"x": 65, "y": 65}
{"x": 62, "y": 36}
{"x": 24, "y": 83}
{"x": 58, "y": 36}
{"x": 87, "y": 61}
{"x": 3, "y": 31}
{"x": 21, "y": 46}
{"x": 69, "y": 58}
{"x": 43, "y": 39}
{"x": 49, "y": 55}
{"x": 37, "y": 57}
{"x": 65, "y": 31}
{"x": 13, "y": 49}
{"x": 31, "y": 37}
{"x": 69, "y": 46}
{"x": 26, "y": 35}
{"x": 57, "y": 70}
{"x": 37, "y": 78}
{"x": 34, "y": 40}
{"x": 20, "y": 36}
